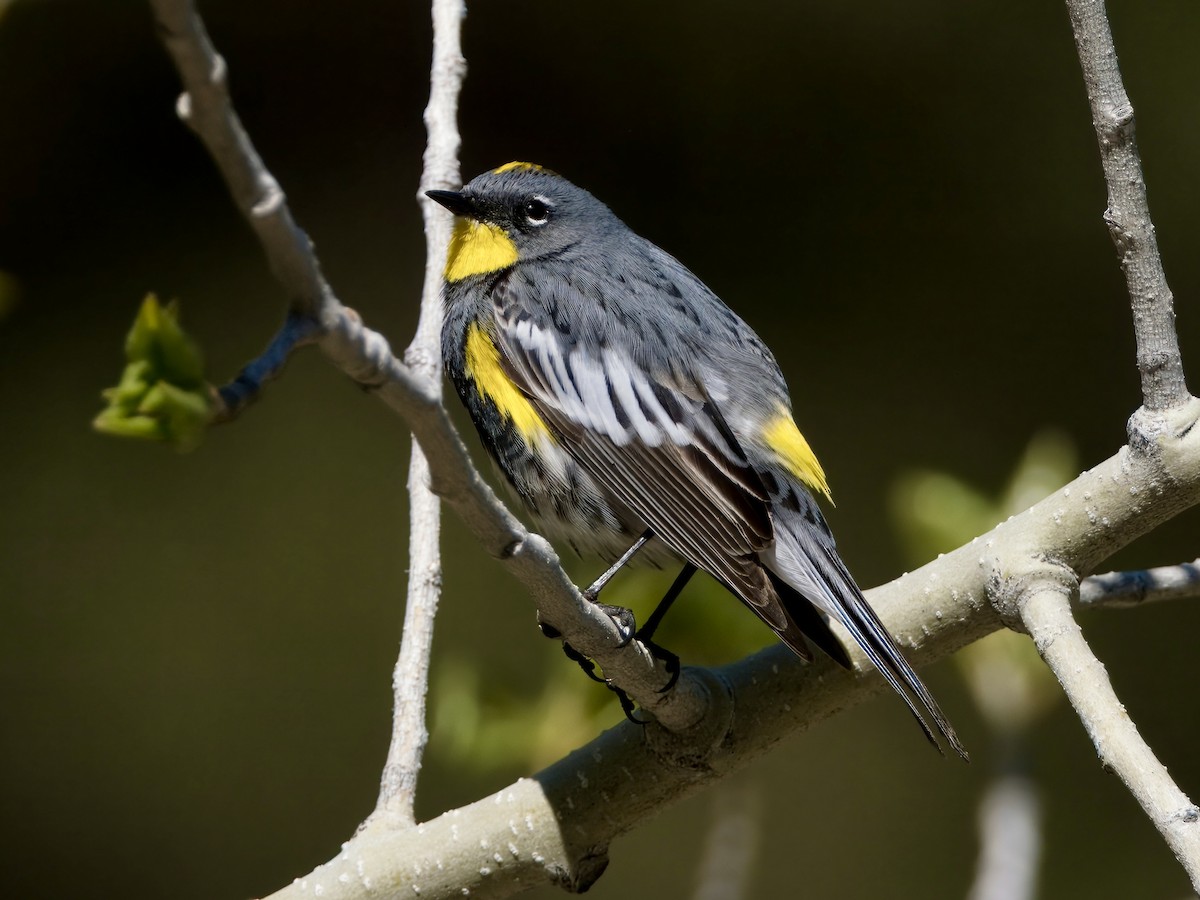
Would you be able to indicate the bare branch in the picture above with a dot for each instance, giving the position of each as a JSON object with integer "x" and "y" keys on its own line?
{"x": 1128, "y": 213}
{"x": 556, "y": 827}
{"x": 298, "y": 330}
{"x": 410, "y": 678}
{"x": 1046, "y": 612}
{"x": 206, "y": 108}
{"x": 1044, "y": 608}
{"x": 1128, "y": 589}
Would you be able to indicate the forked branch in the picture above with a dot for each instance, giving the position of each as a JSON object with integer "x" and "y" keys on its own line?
{"x": 557, "y": 826}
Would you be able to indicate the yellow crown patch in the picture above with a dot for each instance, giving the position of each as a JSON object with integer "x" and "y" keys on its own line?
{"x": 518, "y": 167}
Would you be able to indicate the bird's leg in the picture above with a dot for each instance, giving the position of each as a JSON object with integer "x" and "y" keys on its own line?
{"x": 597, "y": 586}
{"x": 646, "y": 632}
{"x": 622, "y": 617}
{"x": 624, "y": 621}
{"x": 644, "y": 635}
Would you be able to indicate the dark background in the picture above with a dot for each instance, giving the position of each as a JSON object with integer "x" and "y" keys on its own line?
{"x": 905, "y": 199}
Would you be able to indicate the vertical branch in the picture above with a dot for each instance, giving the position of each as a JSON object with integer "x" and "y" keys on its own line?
{"x": 731, "y": 849}
{"x": 1010, "y": 841}
{"x": 1046, "y": 614}
{"x": 410, "y": 678}
{"x": 1128, "y": 214}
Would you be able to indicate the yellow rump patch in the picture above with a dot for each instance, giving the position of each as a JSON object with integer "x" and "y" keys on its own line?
{"x": 477, "y": 248}
{"x": 517, "y": 167}
{"x": 782, "y": 436}
{"x": 483, "y": 365}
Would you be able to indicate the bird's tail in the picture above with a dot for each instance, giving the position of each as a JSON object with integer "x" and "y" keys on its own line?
{"x": 815, "y": 581}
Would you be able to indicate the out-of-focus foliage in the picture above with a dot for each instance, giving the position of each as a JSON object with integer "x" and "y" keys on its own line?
{"x": 491, "y": 724}
{"x": 162, "y": 395}
{"x": 935, "y": 512}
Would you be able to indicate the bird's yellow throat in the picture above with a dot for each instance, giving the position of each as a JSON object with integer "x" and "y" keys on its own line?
{"x": 477, "y": 248}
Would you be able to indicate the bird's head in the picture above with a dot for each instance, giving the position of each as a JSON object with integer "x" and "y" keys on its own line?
{"x": 517, "y": 212}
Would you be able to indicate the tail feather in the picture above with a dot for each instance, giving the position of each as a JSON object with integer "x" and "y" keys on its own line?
{"x": 806, "y": 560}
{"x": 810, "y": 622}
{"x": 883, "y": 651}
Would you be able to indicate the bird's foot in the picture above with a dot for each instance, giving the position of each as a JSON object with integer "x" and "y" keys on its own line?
{"x": 627, "y": 631}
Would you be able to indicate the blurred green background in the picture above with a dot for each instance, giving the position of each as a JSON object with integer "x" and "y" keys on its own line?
{"x": 904, "y": 199}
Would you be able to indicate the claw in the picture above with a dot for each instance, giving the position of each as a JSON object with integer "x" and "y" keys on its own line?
{"x": 589, "y": 667}
{"x": 670, "y": 660}
{"x": 627, "y": 706}
{"x": 623, "y": 619}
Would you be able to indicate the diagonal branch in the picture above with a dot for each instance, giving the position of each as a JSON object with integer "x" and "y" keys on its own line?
{"x": 206, "y": 108}
{"x": 1046, "y": 613}
{"x": 556, "y": 827}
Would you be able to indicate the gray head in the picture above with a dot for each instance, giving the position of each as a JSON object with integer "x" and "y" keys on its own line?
{"x": 519, "y": 211}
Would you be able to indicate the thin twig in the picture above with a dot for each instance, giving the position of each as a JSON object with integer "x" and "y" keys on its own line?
{"x": 298, "y": 330}
{"x": 1046, "y": 613}
{"x": 1128, "y": 213}
{"x": 410, "y": 678}
{"x": 1121, "y": 590}
{"x": 206, "y": 108}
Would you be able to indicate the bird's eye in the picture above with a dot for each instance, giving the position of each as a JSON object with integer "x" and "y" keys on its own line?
{"x": 536, "y": 211}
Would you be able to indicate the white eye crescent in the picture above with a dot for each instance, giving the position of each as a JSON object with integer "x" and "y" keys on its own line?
{"x": 537, "y": 211}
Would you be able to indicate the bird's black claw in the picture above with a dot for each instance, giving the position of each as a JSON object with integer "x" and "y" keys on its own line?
{"x": 671, "y": 662}
{"x": 627, "y": 706}
{"x": 627, "y": 631}
{"x": 589, "y": 667}
{"x": 623, "y": 619}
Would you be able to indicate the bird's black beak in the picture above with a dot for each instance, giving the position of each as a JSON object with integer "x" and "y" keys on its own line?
{"x": 455, "y": 201}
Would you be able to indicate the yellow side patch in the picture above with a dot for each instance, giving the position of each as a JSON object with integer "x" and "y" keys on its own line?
{"x": 517, "y": 167}
{"x": 782, "y": 436}
{"x": 477, "y": 248}
{"x": 483, "y": 365}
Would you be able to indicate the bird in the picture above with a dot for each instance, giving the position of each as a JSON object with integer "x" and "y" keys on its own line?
{"x": 631, "y": 410}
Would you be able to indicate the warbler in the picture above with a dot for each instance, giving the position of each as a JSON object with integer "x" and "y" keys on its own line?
{"x": 626, "y": 405}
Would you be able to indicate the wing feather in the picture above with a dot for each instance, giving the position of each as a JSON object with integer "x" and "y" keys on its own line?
{"x": 666, "y": 455}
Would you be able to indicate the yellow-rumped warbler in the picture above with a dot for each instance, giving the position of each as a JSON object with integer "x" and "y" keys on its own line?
{"x": 624, "y": 401}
